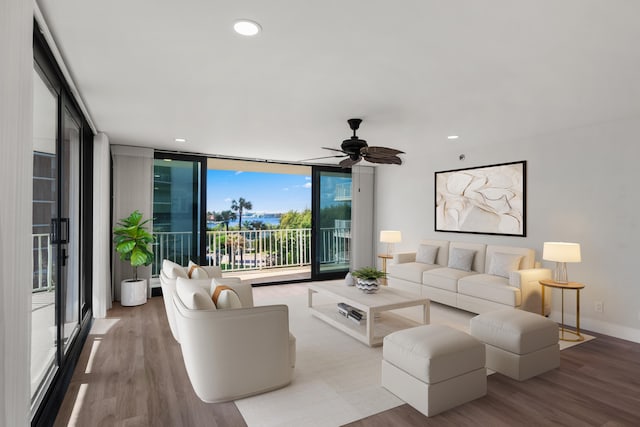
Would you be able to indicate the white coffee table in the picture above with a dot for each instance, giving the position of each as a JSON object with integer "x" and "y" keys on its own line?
{"x": 379, "y": 322}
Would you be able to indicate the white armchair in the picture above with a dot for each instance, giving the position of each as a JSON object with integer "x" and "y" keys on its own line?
{"x": 235, "y": 353}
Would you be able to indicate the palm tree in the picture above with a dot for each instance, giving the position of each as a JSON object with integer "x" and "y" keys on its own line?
{"x": 225, "y": 217}
{"x": 239, "y": 206}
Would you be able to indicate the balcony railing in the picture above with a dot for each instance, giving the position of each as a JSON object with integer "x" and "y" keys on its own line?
{"x": 255, "y": 249}
{"x": 42, "y": 279}
{"x": 230, "y": 250}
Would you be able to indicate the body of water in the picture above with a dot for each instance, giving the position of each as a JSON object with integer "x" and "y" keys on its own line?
{"x": 269, "y": 220}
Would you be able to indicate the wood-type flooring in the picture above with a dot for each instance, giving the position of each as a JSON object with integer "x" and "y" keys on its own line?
{"x": 131, "y": 373}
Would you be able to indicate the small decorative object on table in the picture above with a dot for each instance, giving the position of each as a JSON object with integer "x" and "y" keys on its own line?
{"x": 348, "y": 280}
{"x": 368, "y": 279}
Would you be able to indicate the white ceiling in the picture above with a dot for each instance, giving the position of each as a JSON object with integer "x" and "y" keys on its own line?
{"x": 415, "y": 70}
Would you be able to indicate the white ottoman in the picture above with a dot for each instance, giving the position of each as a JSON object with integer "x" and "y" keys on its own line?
{"x": 519, "y": 344}
{"x": 433, "y": 367}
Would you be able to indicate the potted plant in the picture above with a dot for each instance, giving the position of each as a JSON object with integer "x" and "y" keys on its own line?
{"x": 368, "y": 279}
{"x": 132, "y": 240}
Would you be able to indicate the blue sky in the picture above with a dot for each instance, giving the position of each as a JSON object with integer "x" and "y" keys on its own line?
{"x": 267, "y": 192}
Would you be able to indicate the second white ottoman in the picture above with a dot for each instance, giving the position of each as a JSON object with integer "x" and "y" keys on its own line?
{"x": 433, "y": 367}
{"x": 519, "y": 344}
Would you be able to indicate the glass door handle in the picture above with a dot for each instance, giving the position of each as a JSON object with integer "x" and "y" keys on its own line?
{"x": 64, "y": 256}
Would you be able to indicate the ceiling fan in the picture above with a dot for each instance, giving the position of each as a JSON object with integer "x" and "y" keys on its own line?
{"x": 356, "y": 149}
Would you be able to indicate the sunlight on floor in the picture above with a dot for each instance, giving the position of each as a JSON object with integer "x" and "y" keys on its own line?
{"x": 94, "y": 349}
{"x": 102, "y": 326}
{"x": 77, "y": 406}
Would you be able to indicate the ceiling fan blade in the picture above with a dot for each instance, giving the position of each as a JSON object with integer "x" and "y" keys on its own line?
{"x": 387, "y": 160}
{"x": 384, "y": 151}
{"x": 324, "y": 157}
{"x": 335, "y": 149}
{"x": 348, "y": 162}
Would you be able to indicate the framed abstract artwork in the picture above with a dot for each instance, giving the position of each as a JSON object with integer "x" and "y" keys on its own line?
{"x": 483, "y": 200}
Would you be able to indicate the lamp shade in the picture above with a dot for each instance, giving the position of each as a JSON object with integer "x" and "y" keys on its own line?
{"x": 390, "y": 236}
{"x": 561, "y": 252}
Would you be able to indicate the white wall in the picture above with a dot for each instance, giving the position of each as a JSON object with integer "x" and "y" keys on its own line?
{"x": 132, "y": 190}
{"x": 581, "y": 187}
{"x": 16, "y": 171}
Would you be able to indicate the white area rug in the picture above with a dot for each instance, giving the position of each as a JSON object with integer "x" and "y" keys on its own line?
{"x": 337, "y": 379}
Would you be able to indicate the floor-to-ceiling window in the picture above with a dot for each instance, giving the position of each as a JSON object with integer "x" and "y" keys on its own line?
{"x": 177, "y": 184}
{"x": 60, "y": 280}
{"x": 252, "y": 219}
{"x": 332, "y": 222}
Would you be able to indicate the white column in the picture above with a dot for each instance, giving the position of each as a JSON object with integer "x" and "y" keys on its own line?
{"x": 132, "y": 189}
{"x": 16, "y": 170}
{"x": 362, "y": 233}
{"x": 101, "y": 225}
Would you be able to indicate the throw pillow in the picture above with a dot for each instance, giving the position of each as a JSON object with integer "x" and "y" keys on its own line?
{"x": 225, "y": 297}
{"x": 502, "y": 264}
{"x": 461, "y": 259}
{"x": 427, "y": 254}
{"x": 173, "y": 270}
{"x": 192, "y": 295}
{"x": 196, "y": 272}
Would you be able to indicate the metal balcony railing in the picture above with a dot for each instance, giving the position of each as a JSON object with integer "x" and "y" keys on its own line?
{"x": 230, "y": 250}
{"x": 42, "y": 278}
{"x": 254, "y": 249}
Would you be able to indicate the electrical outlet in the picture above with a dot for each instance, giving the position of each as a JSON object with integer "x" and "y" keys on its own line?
{"x": 598, "y": 307}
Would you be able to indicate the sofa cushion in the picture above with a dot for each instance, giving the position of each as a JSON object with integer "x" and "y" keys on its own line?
{"x": 173, "y": 270}
{"x": 225, "y": 297}
{"x": 444, "y": 278}
{"x": 212, "y": 270}
{"x": 461, "y": 259}
{"x": 194, "y": 271}
{"x": 491, "y": 288}
{"x": 193, "y": 295}
{"x": 427, "y": 254}
{"x": 411, "y": 271}
{"x": 503, "y": 264}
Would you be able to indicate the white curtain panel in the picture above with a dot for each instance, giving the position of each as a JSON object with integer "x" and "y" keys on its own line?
{"x": 16, "y": 168}
{"x": 132, "y": 189}
{"x": 362, "y": 234}
{"x": 101, "y": 226}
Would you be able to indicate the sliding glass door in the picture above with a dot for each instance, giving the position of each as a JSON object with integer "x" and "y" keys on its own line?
{"x": 61, "y": 276}
{"x": 332, "y": 222}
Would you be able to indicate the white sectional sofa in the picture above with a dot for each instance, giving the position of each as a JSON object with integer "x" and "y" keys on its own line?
{"x": 230, "y": 351}
{"x": 471, "y": 276}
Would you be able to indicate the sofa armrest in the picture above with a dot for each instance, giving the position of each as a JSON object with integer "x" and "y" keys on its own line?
{"x": 528, "y": 281}
{"x": 402, "y": 257}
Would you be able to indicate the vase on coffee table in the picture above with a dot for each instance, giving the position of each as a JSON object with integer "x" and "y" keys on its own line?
{"x": 368, "y": 286}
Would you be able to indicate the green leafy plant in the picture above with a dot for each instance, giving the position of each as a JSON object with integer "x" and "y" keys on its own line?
{"x": 368, "y": 273}
{"x": 132, "y": 241}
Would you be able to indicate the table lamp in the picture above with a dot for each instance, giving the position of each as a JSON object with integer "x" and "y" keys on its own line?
{"x": 561, "y": 253}
{"x": 390, "y": 237}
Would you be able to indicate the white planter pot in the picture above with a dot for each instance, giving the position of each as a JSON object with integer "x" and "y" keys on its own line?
{"x": 368, "y": 286}
{"x": 133, "y": 292}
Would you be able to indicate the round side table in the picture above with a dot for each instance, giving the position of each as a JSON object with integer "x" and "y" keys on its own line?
{"x": 572, "y": 286}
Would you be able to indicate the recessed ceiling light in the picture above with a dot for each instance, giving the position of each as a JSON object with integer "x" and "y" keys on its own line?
{"x": 246, "y": 27}
{"x": 453, "y": 137}
{"x": 180, "y": 140}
